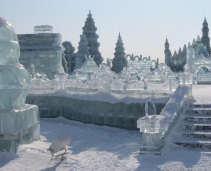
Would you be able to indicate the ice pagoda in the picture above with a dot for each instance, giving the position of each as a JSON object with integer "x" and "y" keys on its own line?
{"x": 119, "y": 60}
{"x": 89, "y": 30}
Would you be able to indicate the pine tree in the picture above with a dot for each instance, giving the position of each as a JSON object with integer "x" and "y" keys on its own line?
{"x": 83, "y": 50}
{"x": 119, "y": 60}
{"x": 89, "y": 30}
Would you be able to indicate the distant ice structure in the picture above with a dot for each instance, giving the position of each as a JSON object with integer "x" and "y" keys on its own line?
{"x": 199, "y": 66}
{"x": 41, "y": 53}
{"x": 93, "y": 79}
{"x": 19, "y": 122}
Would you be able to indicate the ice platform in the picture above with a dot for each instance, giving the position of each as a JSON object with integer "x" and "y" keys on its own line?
{"x": 18, "y": 126}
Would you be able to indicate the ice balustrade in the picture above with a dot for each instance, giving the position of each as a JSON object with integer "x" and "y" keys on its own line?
{"x": 155, "y": 128}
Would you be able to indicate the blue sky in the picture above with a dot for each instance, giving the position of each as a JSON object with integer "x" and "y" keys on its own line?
{"x": 144, "y": 24}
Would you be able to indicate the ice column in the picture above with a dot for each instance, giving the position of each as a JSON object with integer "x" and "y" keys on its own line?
{"x": 19, "y": 122}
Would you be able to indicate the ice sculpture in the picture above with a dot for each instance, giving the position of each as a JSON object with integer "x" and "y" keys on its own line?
{"x": 89, "y": 66}
{"x": 151, "y": 127}
{"x": 19, "y": 122}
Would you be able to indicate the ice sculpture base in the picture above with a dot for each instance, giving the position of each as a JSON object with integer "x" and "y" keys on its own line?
{"x": 18, "y": 126}
{"x": 152, "y": 143}
{"x": 151, "y": 149}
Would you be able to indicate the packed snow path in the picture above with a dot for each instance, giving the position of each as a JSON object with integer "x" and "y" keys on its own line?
{"x": 103, "y": 148}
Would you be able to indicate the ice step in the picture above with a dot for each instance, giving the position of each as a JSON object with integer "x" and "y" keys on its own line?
{"x": 200, "y": 119}
{"x": 201, "y": 105}
{"x": 206, "y": 111}
{"x": 196, "y": 134}
{"x": 195, "y": 126}
{"x": 193, "y": 143}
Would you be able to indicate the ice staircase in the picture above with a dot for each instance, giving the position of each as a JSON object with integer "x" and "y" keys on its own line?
{"x": 194, "y": 127}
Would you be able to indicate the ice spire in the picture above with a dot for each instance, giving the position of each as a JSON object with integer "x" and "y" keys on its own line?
{"x": 198, "y": 39}
{"x": 166, "y": 41}
{"x": 167, "y": 53}
{"x": 205, "y": 40}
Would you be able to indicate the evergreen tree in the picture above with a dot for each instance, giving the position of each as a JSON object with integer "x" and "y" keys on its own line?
{"x": 119, "y": 60}
{"x": 83, "y": 50}
{"x": 69, "y": 55}
{"x": 89, "y": 30}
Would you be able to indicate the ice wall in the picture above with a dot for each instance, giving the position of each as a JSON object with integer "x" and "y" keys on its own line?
{"x": 100, "y": 108}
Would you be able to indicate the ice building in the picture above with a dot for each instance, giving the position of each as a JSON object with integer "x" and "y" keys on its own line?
{"x": 119, "y": 61}
{"x": 89, "y": 30}
{"x": 41, "y": 52}
{"x": 201, "y": 46}
{"x": 19, "y": 122}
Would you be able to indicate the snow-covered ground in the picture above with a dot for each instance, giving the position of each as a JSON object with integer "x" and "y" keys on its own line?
{"x": 104, "y": 148}
{"x": 202, "y": 94}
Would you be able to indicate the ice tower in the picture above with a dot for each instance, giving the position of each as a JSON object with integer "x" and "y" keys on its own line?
{"x": 89, "y": 30}
{"x": 167, "y": 53}
{"x": 205, "y": 35}
{"x": 19, "y": 122}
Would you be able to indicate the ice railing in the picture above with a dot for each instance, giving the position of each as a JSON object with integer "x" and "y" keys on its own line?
{"x": 129, "y": 82}
{"x": 155, "y": 128}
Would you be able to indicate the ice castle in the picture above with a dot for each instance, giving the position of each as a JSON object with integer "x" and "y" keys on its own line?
{"x": 201, "y": 46}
